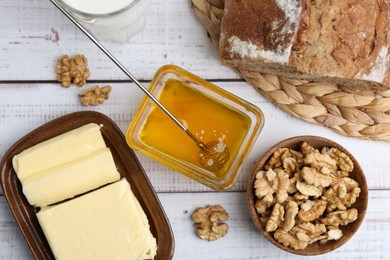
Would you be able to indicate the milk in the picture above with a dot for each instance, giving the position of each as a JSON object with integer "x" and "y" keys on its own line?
{"x": 114, "y": 20}
{"x": 98, "y": 6}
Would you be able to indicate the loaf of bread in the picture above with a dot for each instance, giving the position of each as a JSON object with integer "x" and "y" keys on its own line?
{"x": 337, "y": 41}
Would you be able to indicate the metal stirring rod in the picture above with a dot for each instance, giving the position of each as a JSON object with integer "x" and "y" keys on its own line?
{"x": 212, "y": 156}
{"x": 101, "y": 47}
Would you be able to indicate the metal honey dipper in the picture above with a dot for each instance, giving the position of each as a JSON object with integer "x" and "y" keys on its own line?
{"x": 212, "y": 156}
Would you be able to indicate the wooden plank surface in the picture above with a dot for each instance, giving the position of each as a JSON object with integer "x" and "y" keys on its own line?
{"x": 242, "y": 242}
{"x": 24, "y": 107}
{"x": 38, "y": 33}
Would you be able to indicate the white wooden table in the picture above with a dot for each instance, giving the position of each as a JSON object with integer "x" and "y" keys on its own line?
{"x": 34, "y": 34}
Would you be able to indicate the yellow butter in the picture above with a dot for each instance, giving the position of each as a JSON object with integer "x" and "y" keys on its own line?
{"x": 58, "y": 150}
{"x": 68, "y": 180}
{"x": 107, "y": 223}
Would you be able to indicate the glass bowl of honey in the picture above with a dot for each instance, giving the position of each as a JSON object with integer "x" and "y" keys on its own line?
{"x": 209, "y": 112}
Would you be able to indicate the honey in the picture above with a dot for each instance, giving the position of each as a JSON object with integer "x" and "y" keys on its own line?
{"x": 210, "y": 113}
{"x": 206, "y": 118}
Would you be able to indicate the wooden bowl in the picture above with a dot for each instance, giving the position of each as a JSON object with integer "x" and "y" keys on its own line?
{"x": 348, "y": 230}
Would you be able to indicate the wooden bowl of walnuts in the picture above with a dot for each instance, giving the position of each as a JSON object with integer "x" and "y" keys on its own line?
{"x": 307, "y": 195}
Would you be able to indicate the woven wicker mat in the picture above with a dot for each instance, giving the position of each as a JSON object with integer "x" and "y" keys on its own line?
{"x": 356, "y": 113}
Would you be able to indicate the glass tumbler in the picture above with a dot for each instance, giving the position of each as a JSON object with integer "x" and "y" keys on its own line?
{"x": 115, "y": 21}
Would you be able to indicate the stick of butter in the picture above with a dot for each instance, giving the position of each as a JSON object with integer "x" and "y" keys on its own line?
{"x": 58, "y": 150}
{"x": 107, "y": 223}
{"x": 70, "y": 179}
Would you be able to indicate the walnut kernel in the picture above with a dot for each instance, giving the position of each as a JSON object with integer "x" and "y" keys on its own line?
{"x": 79, "y": 70}
{"x": 288, "y": 239}
{"x": 289, "y": 218}
{"x": 343, "y": 161}
{"x": 314, "y": 177}
{"x": 309, "y": 232}
{"x": 333, "y": 233}
{"x": 276, "y": 218}
{"x": 272, "y": 182}
{"x": 342, "y": 217}
{"x": 72, "y": 70}
{"x": 95, "y": 95}
{"x": 63, "y": 71}
{"x": 209, "y": 222}
{"x": 308, "y": 190}
{"x": 313, "y": 212}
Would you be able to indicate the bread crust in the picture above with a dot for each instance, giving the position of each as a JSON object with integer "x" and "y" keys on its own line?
{"x": 338, "y": 41}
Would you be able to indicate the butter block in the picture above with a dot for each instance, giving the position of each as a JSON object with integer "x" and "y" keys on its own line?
{"x": 71, "y": 179}
{"x": 107, "y": 223}
{"x": 58, "y": 150}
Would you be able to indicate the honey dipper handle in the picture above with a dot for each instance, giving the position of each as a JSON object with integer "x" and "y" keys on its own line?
{"x": 101, "y": 47}
{"x": 200, "y": 144}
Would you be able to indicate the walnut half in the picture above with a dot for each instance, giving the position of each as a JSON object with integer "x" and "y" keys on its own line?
{"x": 72, "y": 70}
{"x": 209, "y": 222}
{"x": 95, "y": 95}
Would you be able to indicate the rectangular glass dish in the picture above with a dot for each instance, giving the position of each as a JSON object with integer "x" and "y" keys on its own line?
{"x": 208, "y": 112}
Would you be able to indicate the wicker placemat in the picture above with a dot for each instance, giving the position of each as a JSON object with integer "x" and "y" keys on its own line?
{"x": 349, "y": 111}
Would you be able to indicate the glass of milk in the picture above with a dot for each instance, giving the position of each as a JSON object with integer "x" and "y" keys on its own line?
{"x": 113, "y": 20}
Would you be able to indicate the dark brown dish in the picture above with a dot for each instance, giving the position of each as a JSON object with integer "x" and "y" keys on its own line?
{"x": 348, "y": 230}
{"x": 126, "y": 162}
